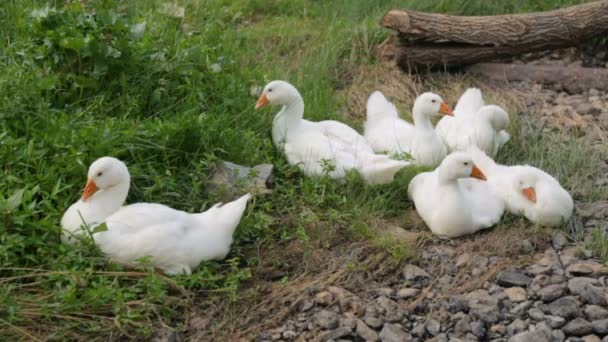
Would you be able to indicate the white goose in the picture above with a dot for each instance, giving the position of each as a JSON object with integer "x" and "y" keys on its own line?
{"x": 475, "y": 124}
{"x": 314, "y": 145}
{"x": 450, "y": 202}
{"x": 175, "y": 241}
{"x": 386, "y": 132}
{"x": 527, "y": 191}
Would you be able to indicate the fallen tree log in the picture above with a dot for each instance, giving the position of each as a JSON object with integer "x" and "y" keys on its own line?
{"x": 571, "y": 79}
{"x": 431, "y": 39}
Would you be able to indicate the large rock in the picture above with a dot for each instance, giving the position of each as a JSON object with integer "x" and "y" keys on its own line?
{"x": 566, "y": 307}
{"x": 512, "y": 277}
{"x": 578, "y": 327}
{"x": 366, "y": 332}
{"x": 483, "y": 306}
{"x": 394, "y": 333}
{"x": 232, "y": 180}
{"x": 586, "y": 269}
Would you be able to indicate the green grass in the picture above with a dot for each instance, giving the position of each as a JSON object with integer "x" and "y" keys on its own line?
{"x": 170, "y": 103}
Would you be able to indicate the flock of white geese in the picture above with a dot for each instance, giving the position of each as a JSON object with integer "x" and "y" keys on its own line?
{"x": 466, "y": 192}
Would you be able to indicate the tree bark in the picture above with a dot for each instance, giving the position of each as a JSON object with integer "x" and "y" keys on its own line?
{"x": 570, "y": 79}
{"x": 430, "y": 39}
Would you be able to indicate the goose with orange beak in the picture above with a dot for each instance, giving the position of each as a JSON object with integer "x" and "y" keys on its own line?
{"x": 386, "y": 132}
{"x": 527, "y": 191}
{"x": 175, "y": 241}
{"x": 455, "y": 199}
{"x": 326, "y": 147}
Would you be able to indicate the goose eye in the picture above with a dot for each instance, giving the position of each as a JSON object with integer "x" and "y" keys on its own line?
{"x": 433, "y": 100}
{"x": 99, "y": 174}
{"x": 466, "y": 163}
{"x": 270, "y": 90}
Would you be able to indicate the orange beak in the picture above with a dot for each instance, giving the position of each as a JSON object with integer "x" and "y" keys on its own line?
{"x": 445, "y": 109}
{"x": 529, "y": 193}
{"x": 89, "y": 190}
{"x": 262, "y": 101}
{"x": 476, "y": 173}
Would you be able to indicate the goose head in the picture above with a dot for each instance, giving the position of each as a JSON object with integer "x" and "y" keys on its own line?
{"x": 496, "y": 116}
{"x": 525, "y": 184}
{"x": 104, "y": 174}
{"x": 278, "y": 93}
{"x": 459, "y": 165}
{"x": 431, "y": 104}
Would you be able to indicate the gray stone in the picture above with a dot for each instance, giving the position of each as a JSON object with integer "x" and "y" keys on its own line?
{"x": 513, "y": 277}
{"x": 166, "y": 335}
{"x": 595, "y": 312}
{"x": 289, "y": 334}
{"x": 555, "y": 321}
{"x": 558, "y": 336}
{"x": 587, "y": 268}
{"x": 348, "y": 321}
{"x": 497, "y": 330}
{"x": 433, "y": 327}
{"x": 463, "y": 326}
{"x": 306, "y": 305}
{"x": 600, "y": 327}
{"x": 458, "y": 303}
{"x": 577, "y": 285}
{"x": 413, "y": 273}
{"x": 385, "y": 291}
{"x": 419, "y": 329}
{"x": 551, "y": 292}
{"x": 347, "y": 301}
{"x": 463, "y": 259}
{"x": 324, "y": 298}
{"x": 232, "y": 180}
{"x": 538, "y": 335}
{"x": 536, "y": 314}
{"x": 516, "y": 294}
{"x": 521, "y": 308}
{"x": 578, "y": 327}
{"x": 593, "y": 295}
{"x": 591, "y": 338}
{"x": 326, "y": 319}
{"x": 407, "y": 293}
{"x": 366, "y": 332}
{"x": 394, "y": 333}
{"x": 478, "y": 329}
{"x": 373, "y": 322}
{"x": 391, "y": 309}
{"x": 516, "y": 327}
{"x": 559, "y": 240}
{"x": 439, "y": 338}
{"x": 334, "y": 334}
{"x": 483, "y": 307}
{"x": 566, "y": 307}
